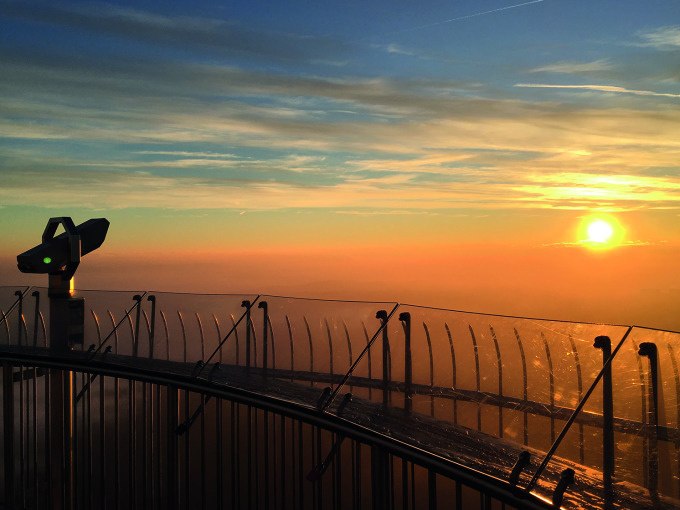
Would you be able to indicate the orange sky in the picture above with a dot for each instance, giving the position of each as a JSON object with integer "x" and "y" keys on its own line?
{"x": 535, "y": 270}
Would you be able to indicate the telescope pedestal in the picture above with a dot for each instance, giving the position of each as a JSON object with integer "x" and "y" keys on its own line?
{"x": 66, "y": 318}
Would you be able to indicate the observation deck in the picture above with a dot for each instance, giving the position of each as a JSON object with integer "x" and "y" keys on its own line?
{"x": 254, "y": 401}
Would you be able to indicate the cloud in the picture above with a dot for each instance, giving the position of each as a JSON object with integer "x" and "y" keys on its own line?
{"x": 604, "y": 192}
{"x": 398, "y": 50}
{"x": 207, "y": 155}
{"x": 586, "y": 243}
{"x": 115, "y": 190}
{"x": 596, "y": 66}
{"x": 138, "y": 133}
{"x": 598, "y": 88}
{"x": 393, "y": 212}
{"x": 662, "y": 38}
{"x": 186, "y": 32}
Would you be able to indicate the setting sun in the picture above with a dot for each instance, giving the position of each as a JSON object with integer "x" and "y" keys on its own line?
{"x": 600, "y": 232}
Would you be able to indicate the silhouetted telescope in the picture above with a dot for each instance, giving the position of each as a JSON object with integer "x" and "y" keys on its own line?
{"x": 61, "y": 254}
{"x": 59, "y": 257}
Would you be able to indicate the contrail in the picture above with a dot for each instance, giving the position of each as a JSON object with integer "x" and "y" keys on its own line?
{"x": 475, "y": 15}
{"x": 598, "y": 88}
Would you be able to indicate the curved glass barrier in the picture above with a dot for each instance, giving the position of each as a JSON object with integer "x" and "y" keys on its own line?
{"x": 194, "y": 327}
{"x": 109, "y": 319}
{"x": 631, "y": 426}
{"x": 304, "y": 347}
{"x": 478, "y": 389}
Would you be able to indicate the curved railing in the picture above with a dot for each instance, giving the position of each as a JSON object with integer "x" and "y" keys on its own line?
{"x": 594, "y": 401}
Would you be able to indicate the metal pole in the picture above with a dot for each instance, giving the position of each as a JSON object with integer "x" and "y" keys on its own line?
{"x": 172, "y": 467}
{"x": 246, "y": 304}
{"x": 381, "y": 315}
{"x": 379, "y": 478}
{"x": 604, "y": 343}
{"x": 135, "y": 340}
{"x": 152, "y": 331}
{"x": 20, "y": 314}
{"x": 649, "y": 350}
{"x": 36, "y": 317}
{"x": 265, "y": 318}
{"x": 8, "y": 431}
{"x": 478, "y": 374}
{"x": 405, "y": 318}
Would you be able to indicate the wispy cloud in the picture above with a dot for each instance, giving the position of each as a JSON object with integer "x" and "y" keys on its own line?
{"x": 392, "y": 212}
{"x": 663, "y": 38}
{"x": 585, "y": 242}
{"x": 598, "y": 88}
{"x": 187, "y": 135}
{"x": 194, "y": 33}
{"x": 194, "y": 154}
{"x": 398, "y": 50}
{"x": 566, "y": 67}
{"x": 604, "y": 192}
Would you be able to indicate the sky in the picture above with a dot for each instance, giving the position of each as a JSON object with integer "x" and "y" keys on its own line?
{"x": 445, "y": 153}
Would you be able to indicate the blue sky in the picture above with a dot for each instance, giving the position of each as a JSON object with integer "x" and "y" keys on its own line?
{"x": 318, "y": 124}
{"x": 347, "y": 97}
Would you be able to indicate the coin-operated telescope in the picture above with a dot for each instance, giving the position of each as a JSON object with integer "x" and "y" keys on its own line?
{"x": 59, "y": 257}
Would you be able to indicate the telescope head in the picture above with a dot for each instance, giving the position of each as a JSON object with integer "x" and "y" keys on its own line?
{"x": 60, "y": 255}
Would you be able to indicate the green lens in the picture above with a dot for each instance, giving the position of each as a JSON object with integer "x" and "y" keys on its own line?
{"x": 47, "y": 260}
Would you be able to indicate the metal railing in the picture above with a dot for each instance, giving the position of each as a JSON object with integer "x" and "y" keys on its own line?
{"x": 472, "y": 390}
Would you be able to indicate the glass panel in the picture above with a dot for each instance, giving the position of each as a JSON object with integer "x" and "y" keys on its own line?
{"x": 35, "y": 318}
{"x": 482, "y": 388}
{"x": 109, "y": 318}
{"x": 311, "y": 344}
{"x": 643, "y": 461}
{"x": 190, "y": 327}
{"x": 12, "y": 330}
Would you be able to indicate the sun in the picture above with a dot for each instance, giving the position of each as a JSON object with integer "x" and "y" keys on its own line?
{"x": 598, "y": 232}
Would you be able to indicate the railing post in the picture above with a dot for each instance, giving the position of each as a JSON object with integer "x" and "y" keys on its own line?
{"x": 246, "y": 304}
{"x": 523, "y": 460}
{"x": 20, "y": 313}
{"x": 499, "y": 362}
{"x": 608, "y": 453}
{"x": 265, "y": 319}
{"x": 135, "y": 341}
{"x": 330, "y": 346}
{"x": 380, "y": 478}
{"x": 152, "y": 328}
{"x": 8, "y": 431}
{"x": 649, "y": 350}
{"x": 405, "y": 318}
{"x": 381, "y": 315}
{"x": 478, "y": 374}
{"x": 36, "y": 317}
{"x": 172, "y": 462}
{"x": 61, "y": 438}
{"x": 525, "y": 384}
{"x": 566, "y": 479}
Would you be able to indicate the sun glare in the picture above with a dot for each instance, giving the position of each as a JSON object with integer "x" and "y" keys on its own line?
{"x": 598, "y": 232}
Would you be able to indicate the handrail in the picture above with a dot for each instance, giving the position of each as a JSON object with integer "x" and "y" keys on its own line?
{"x": 102, "y": 366}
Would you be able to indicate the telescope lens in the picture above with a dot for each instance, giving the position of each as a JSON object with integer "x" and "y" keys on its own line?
{"x": 47, "y": 260}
